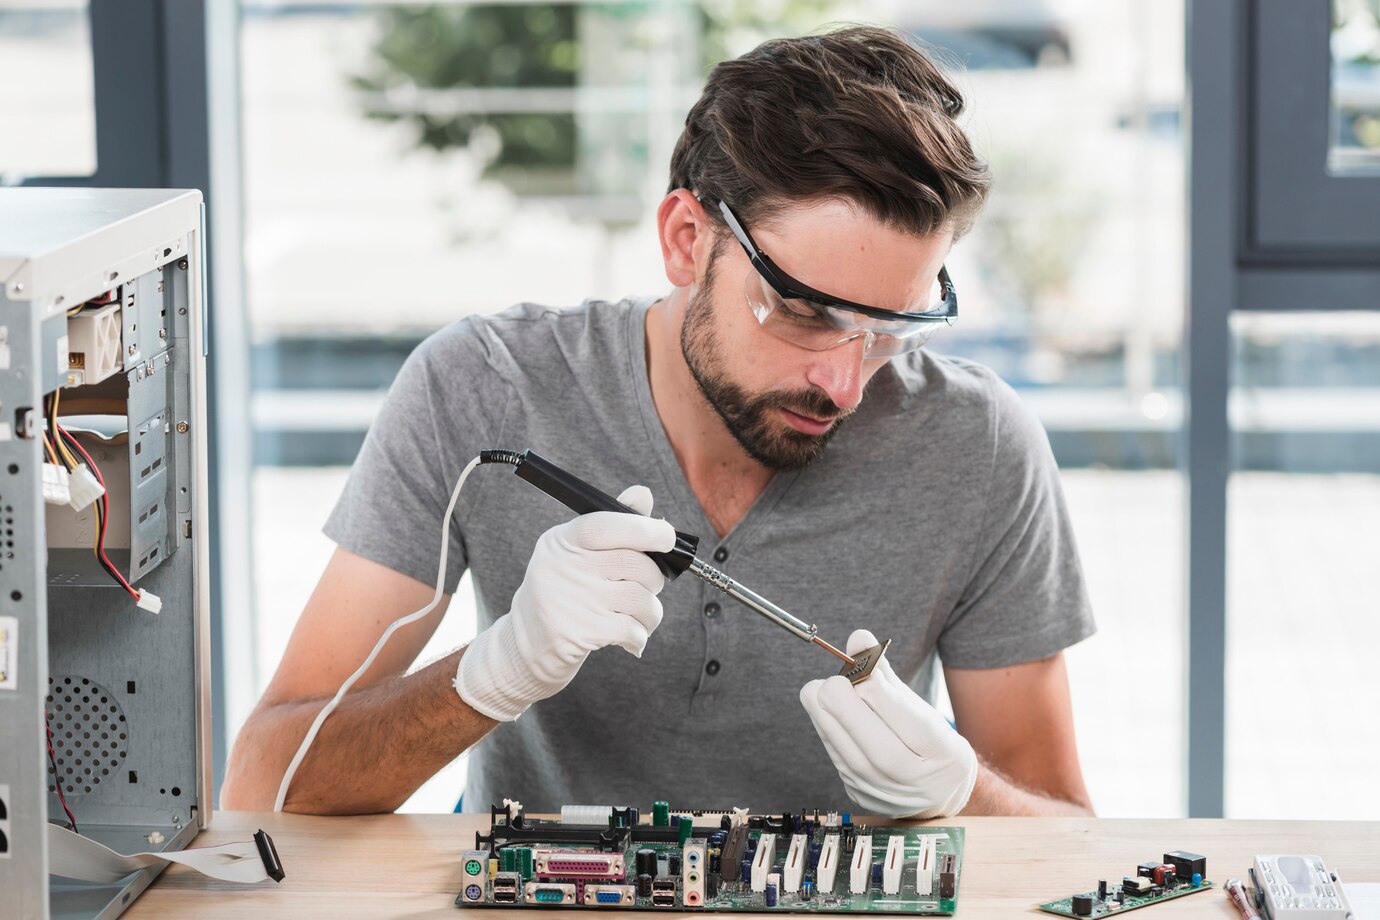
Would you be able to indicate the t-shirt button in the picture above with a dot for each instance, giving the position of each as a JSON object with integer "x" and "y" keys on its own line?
{"x": 712, "y": 668}
{"x": 721, "y": 554}
{"x": 711, "y": 610}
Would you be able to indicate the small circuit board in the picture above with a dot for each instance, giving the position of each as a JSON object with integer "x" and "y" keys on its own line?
{"x": 1179, "y": 874}
{"x": 615, "y": 858}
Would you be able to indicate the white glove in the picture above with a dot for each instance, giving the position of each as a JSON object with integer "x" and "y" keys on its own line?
{"x": 896, "y": 755}
{"x": 589, "y": 584}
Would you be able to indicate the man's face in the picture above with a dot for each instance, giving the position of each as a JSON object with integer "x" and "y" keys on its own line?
{"x": 783, "y": 403}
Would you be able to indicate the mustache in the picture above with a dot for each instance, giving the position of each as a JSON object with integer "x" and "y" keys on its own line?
{"x": 812, "y": 403}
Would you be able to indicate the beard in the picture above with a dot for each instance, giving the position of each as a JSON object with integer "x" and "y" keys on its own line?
{"x": 751, "y": 419}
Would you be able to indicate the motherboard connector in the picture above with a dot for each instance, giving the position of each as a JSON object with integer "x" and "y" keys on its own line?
{"x": 828, "y": 864}
{"x": 860, "y": 874}
{"x": 764, "y": 860}
{"x": 797, "y": 857}
{"x": 925, "y": 865}
{"x": 895, "y": 863}
{"x": 693, "y": 864}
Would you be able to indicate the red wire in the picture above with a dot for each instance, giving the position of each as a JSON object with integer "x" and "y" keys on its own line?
{"x": 57, "y": 780}
{"x": 101, "y": 507}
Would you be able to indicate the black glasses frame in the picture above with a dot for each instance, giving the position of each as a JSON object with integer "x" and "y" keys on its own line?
{"x": 792, "y": 289}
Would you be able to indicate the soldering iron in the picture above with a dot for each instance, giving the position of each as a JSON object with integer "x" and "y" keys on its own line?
{"x": 583, "y": 498}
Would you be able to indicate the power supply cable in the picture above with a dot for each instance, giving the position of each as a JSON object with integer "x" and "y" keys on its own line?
{"x": 397, "y": 624}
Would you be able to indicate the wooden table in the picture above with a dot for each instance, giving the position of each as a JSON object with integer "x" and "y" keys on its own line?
{"x": 409, "y": 865}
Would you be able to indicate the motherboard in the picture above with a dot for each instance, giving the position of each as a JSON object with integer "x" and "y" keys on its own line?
{"x": 608, "y": 857}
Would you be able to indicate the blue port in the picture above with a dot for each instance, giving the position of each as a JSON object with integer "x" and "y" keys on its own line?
{"x": 608, "y": 897}
{"x": 474, "y": 893}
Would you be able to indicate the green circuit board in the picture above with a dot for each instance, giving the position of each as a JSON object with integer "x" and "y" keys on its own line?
{"x": 1064, "y": 906}
{"x": 532, "y": 862}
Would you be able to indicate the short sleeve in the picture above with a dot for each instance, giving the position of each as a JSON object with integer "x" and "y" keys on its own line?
{"x": 392, "y": 506}
{"x": 1026, "y": 598}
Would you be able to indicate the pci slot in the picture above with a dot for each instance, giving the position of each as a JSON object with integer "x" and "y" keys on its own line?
{"x": 764, "y": 860}
{"x": 925, "y": 866}
{"x": 860, "y": 874}
{"x": 828, "y": 864}
{"x": 796, "y": 859}
{"x": 895, "y": 863}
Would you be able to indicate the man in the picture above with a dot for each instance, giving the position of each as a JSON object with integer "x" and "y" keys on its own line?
{"x": 815, "y": 192}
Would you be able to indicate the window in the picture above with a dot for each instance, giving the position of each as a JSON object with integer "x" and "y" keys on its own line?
{"x": 47, "y": 98}
{"x": 1355, "y": 87}
{"x": 1303, "y": 545}
{"x": 403, "y": 164}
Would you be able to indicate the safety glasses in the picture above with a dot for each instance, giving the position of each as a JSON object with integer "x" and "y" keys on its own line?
{"x": 799, "y": 314}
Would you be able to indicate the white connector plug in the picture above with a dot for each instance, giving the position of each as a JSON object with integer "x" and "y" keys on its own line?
{"x": 84, "y": 488}
{"x": 57, "y": 488}
{"x": 149, "y": 601}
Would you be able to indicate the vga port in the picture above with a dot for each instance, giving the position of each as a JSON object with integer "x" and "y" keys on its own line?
{"x": 567, "y": 863}
{"x": 550, "y": 893}
{"x": 611, "y": 895}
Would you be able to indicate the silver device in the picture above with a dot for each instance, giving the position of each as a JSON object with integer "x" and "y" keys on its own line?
{"x": 104, "y": 698}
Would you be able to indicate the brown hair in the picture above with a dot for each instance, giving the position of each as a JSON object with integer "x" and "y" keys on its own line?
{"x": 859, "y": 114}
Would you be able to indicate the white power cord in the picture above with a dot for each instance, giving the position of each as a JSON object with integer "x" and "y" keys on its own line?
{"x": 383, "y": 640}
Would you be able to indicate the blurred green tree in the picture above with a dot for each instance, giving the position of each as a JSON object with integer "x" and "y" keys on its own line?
{"x": 424, "y": 53}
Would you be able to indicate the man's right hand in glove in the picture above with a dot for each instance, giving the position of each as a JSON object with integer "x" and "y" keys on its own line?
{"x": 589, "y": 584}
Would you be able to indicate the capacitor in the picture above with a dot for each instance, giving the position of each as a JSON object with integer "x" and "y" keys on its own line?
{"x": 715, "y": 861}
{"x": 1197, "y": 879}
{"x": 815, "y": 849}
{"x": 661, "y": 813}
{"x": 847, "y": 819}
{"x": 644, "y": 886}
{"x": 746, "y": 870}
{"x": 646, "y": 862}
{"x": 771, "y": 895}
{"x": 877, "y": 873}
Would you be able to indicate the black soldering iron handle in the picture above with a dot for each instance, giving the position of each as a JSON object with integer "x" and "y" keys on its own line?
{"x": 583, "y": 498}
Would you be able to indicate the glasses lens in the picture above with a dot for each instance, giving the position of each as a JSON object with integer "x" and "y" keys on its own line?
{"x": 819, "y": 327}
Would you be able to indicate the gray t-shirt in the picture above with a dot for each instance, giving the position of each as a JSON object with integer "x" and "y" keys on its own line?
{"x": 935, "y": 518}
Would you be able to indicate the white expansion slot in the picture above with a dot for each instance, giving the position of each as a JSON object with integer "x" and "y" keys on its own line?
{"x": 764, "y": 860}
{"x": 796, "y": 858}
{"x": 828, "y": 864}
{"x": 860, "y": 875}
{"x": 925, "y": 865}
{"x": 895, "y": 862}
